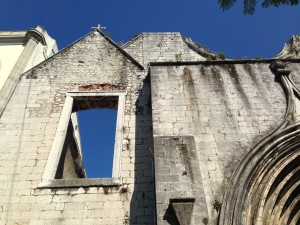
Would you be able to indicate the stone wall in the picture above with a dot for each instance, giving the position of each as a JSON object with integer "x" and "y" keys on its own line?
{"x": 161, "y": 47}
{"x": 188, "y": 125}
{"x": 226, "y": 109}
{"x": 29, "y": 124}
{"x": 31, "y": 119}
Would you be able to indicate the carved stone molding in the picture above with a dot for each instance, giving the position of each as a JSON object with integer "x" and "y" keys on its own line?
{"x": 279, "y": 68}
{"x": 291, "y": 49}
{"x": 35, "y": 35}
{"x": 263, "y": 188}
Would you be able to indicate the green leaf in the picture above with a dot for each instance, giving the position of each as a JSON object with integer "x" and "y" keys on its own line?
{"x": 266, "y": 3}
{"x": 226, "y": 4}
{"x": 249, "y": 6}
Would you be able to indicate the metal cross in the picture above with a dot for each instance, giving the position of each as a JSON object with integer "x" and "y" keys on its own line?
{"x": 99, "y": 28}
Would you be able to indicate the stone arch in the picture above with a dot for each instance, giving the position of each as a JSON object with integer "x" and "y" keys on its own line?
{"x": 267, "y": 189}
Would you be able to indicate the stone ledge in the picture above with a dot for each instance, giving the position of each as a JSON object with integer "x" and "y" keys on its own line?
{"x": 80, "y": 182}
{"x": 218, "y": 62}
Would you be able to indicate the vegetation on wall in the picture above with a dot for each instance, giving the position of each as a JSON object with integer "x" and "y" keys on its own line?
{"x": 250, "y": 5}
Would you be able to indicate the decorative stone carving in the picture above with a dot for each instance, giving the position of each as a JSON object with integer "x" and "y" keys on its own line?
{"x": 200, "y": 49}
{"x": 291, "y": 49}
{"x": 279, "y": 68}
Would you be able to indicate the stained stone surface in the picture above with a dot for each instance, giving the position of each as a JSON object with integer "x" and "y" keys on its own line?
{"x": 225, "y": 108}
{"x": 189, "y": 123}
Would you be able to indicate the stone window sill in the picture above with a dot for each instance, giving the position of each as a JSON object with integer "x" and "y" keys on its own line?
{"x": 80, "y": 182}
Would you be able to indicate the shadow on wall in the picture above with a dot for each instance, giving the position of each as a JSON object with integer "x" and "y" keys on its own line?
{"x": 142, "y": 206}
{"x": 170, "y": 217}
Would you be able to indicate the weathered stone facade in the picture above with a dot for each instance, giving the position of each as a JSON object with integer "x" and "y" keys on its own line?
{"x": 201, "y": 141}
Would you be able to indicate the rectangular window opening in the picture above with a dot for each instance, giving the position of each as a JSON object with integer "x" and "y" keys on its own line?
{"x": 97, "y": 132}
{"x": 91, "y": 138}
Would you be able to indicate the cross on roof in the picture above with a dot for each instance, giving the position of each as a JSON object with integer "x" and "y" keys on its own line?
{"x": 99, "y": 28}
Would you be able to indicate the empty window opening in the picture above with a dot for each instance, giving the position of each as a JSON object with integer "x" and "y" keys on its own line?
{"x": 97, "y": 131}
{"x": 88, "y": 148}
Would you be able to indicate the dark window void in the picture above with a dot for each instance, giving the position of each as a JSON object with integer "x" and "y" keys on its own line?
{"x": 89, "y": 144}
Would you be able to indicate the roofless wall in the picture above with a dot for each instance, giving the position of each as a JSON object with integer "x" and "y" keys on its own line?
{"x": 197, "y": 141}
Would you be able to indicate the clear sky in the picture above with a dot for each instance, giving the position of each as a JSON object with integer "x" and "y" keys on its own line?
{"x": 97, "y": 140}
{"x": 262, "y": 34}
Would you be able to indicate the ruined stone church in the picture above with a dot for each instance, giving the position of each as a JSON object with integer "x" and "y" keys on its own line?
{"x": 198, "y": 140}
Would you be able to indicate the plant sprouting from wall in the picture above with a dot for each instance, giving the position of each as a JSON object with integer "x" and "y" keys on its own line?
{"x": 178, "y": 56}
{"x": 120, "y": 43}
{"x": 221, "y": 55}
{"x": 217, "y": 205}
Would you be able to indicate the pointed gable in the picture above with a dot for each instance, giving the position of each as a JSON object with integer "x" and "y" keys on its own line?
{"x": 91, "y": 63}
{"x": 94, "y": 55}
{"x": 166, "y": 47}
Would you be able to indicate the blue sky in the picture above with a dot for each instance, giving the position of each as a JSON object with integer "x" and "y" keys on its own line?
{"x": 262, "y": 34}
{"x": 97, "y": 140}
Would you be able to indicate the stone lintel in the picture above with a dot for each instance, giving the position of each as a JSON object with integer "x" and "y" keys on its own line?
{"x": 183, "y": 209}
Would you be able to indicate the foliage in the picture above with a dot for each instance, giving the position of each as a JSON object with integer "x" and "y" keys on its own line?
{"x": 210, "y": 58}
{"x": 221, "y": 55}
{"x": 250, "y": 5}
{"x": 217, "y": 205}
{"x": 214, "y": 55}
{"x": 120, "y": 43}
{"x": 205, "y": 48}
{"x": 178, "y": 56}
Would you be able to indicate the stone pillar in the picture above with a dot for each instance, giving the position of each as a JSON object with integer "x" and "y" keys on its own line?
{"x": 179, "y": 189}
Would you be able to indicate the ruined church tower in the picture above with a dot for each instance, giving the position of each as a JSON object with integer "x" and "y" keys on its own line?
{"x": 198, "y": 140}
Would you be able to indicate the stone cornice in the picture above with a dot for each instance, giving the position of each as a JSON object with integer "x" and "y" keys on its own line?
{"x": 37, "y": 35}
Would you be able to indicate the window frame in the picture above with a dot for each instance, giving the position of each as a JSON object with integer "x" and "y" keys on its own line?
{"x": 48, "y": 177}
